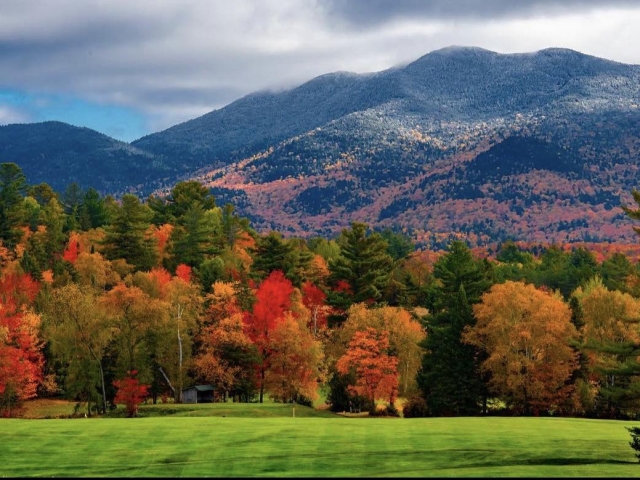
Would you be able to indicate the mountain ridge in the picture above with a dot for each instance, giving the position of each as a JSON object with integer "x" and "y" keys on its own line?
{"x": 382, "y": 146}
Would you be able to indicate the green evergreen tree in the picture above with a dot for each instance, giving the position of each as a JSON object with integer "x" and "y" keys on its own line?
{"x": 614, "y": 272}
{"x": 158, "y": 206}
{"x": 185, "y": 195}
{"x": 210, "y": 271}
{"x": 554, "y": 271}
{"x": 450, "y": 377}
{"x": 93, "y": 213}
{"x": 363, "y": 263}
{"x": 72, "y": 202}
{"x": 271, "y": 253}
{"x": 13, "y": 186}
{"x": 232, "y": 226}
{"x": 399, "y": 246}
{"x": 53, "y": 218}
{"x": 459, "y": 268}
{"x": 620, "y": 395}
{"x": 580, "y": 376}
{"x": 192, "y": 239}
{"x": 126, "y": 236}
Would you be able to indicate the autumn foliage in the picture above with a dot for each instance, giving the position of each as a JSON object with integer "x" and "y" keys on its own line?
{"x": 294, "y": 361}
{"x": 130, "y": 392}
{"x": 273, "y": 298}
{"x": 526, "y": 335}
{"x": 177, "y": 291}
{"x": 375, "y": 370}
{"x": 21, "y": 359}
{"x": 314, "y": 299}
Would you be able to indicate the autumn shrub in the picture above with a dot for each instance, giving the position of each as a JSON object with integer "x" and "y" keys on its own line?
{"x": 130, "y": 392}
{"x": 415, "y": 407}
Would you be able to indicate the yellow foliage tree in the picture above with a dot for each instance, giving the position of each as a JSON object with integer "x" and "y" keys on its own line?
{"x": 405, "y": 334}
{"x": 526, "y": 334}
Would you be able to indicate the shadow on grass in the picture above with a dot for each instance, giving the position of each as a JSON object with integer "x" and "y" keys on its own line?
{"x": 572, "y": 461}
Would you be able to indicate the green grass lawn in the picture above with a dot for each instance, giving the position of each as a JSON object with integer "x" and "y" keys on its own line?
{"x": 229, "y": 409}
{"x": 226, "y": 440}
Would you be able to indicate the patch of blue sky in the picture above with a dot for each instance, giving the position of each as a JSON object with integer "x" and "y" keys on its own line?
{"x": 118, "y": 122}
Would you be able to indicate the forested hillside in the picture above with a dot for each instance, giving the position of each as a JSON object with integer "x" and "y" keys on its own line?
{"x": 461, "y": 143}
{"x": 104, "y": 300}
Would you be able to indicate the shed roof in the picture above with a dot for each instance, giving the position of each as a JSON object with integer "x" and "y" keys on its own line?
{"x": 201, "y": 388}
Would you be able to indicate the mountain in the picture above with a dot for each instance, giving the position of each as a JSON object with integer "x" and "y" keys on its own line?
{"x": 59, "y": 154}
{"x": 463, "y": 141}
{"x": 540, "y": 146}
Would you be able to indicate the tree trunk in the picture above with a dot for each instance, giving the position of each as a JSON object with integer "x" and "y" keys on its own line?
{"x": 180, "y": 384}
{"x": 104, "y": 391}
{"x": 180, "y": 367}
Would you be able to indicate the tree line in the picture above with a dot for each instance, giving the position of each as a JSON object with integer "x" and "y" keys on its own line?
{"x": 97, "y": 294}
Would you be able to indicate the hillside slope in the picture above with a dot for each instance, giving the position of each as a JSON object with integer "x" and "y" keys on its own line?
{"x": 463, "y": 141}
{"x": 59, "y": 154}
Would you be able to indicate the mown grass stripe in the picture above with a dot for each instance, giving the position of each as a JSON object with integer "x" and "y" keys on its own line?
{"x": 269, "y": 446}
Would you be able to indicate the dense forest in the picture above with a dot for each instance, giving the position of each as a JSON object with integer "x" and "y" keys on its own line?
{"x": 98, "y": 294}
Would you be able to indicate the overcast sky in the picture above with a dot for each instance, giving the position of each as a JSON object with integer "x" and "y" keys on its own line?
{"x": 132, "y": 67}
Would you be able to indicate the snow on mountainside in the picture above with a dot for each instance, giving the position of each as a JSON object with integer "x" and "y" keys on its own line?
{"x": 536, "y": 146}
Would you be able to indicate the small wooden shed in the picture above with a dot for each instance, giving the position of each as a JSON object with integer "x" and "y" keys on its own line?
{"x": 198, "y": 394}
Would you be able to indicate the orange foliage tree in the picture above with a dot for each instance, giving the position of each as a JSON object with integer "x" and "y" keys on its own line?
{"x": 526, "y": 334}
{"x": 376, "y": 371}
{"x": 222, "y": 303}
{"x": 295, "y": 359}
{"x": 227, "y": 357}
{"x": 405, "y": 334}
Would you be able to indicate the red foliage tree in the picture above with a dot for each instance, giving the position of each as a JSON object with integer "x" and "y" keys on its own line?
{"x": 184, "y": 272}
{"x": 273, "y": 299}
{"x": 18, "y": 290}
{"x": 315, "y": 300}
{"x": 73, "y": 249}
{"x": 21, "y": 359}
{"x": 375, "y": 370}
{"x": 130, "y": 392}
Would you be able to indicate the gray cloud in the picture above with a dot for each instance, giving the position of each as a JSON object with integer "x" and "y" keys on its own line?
{"x": 172, "y": 60}
{"x": 367, "y": 13}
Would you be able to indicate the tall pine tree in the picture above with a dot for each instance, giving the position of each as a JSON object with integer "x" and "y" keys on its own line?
{"x": 363, "y": 263}
{"x": 450, "y": 378}
{"x": 126, "y": 237}
{"x": 13, "y": 186}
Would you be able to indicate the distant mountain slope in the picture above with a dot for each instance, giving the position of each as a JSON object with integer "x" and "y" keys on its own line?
{"x": 260, "y": 120}
{"x": 59, "y": 154}
{"x": 462, "y": 141}
{"x": 541, "y": 145}
{"x": 454, "y": 83}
